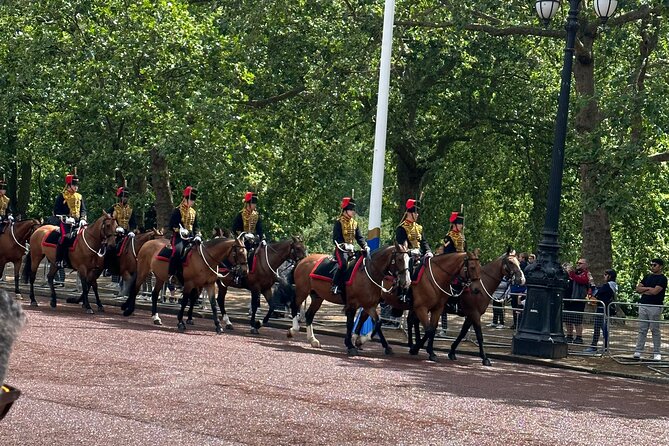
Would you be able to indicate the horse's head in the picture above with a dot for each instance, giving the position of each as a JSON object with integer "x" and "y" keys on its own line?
{"x": 297, "y": 249}
{"x": 399, "y": 264}
{"x": 108, "y": 227}
{"x": 512, "y": 270}
{"x": 238, "y": 255}
{"x": 471, "y": 267}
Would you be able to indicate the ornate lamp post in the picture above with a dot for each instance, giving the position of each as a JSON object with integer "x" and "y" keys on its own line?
{"x": 540, "y": 331}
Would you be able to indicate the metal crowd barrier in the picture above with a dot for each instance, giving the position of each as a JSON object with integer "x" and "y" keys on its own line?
{"x": 624, "y": 333}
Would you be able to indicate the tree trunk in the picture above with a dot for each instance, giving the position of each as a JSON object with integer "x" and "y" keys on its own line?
{"x": 160, "y": 178}
{"x": 596, "y": 229}
{"x": 409, "y": 177}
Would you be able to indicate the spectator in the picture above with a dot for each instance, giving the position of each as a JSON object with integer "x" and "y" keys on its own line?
{"x": 499, "y": 297}
{"x": 604, "y": 294}
{"x": 574, "y": 306}
{"x": 531, "y": 258}
{"x": 652, "y": 289}
{"x": 517, "y": 292}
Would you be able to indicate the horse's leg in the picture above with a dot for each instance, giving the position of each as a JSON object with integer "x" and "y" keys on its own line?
{"x": 421, "y": 313}
{"x": 155, "y": 294}
{"x": 181, "y": 327}
{"x": 268, "y": 297}
{"x": 222, "y": 291}
{"x": 358, "y": 340}
{"x": 29, "y": 273}
{"x": 98, "y": 302}
{"x": 350, "y": 317}
{"x": 255, "y": 303}
{"x": 411, "y": 318}
{"x": 434, "y": 321}
{"x": 212, "y": 303}
{"x": 378, "y": 331}
{"x": 194, "y": 296}
{"x": 479, "y": 339}
{"x": 85, "y": 287}
{"x": 463, "y": 332}
{"x": 49, "y": 277}
{"x": 316, "y": 303}
{"x": 17, "y": 277}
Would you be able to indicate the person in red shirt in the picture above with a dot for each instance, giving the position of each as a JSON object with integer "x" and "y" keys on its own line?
{"x": 579, "y": 283}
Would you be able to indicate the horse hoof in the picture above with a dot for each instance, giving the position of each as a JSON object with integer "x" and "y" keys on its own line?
{"x": 413, "y": 351}
{"x": 101, "y": 309}
{"x": 72, "y": 300}
{"x": 190, "y": 322}
{"x": 451, "y": 356}
{"x": 433, "y": 358}
{"x": 352, "y": 351}
{"x": 254, "y": 330}
{"x": 258, "y": 324}
{"x": 124, "y": 306}
{"x": 487, "y": 362}
{"x": 219, "y": 330}
{"x": 157, "y": 321}
{"x": 89, "y": 311}
{"x": 33, "y": 303}
{"x": 52, "y": 304}
{"x": 316, "y": 343}
{"x": 388, "y": 351}
{"x": 181, "y": 327}
{"x": 229, "y": 327}
{"x": 128, "y": 312}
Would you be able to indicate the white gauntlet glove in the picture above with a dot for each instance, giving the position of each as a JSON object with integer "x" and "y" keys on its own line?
{"x": 131, "y": 234}
{"x": 183, "y": 232}
{"x": 429, "y": 255}
{"x": 120, "y": 230}
{"x": 69, "y": 220}
{"x": 82, "y": 222}
{"x": 197, "y": 239}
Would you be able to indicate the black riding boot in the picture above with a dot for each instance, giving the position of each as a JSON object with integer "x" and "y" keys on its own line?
{"x": 61, "y": 252}
{"x": 337, "y": 283}
{"x": 176, "y": 268}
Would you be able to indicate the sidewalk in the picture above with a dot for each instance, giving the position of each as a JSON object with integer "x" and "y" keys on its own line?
{"x": 331, "y": 321}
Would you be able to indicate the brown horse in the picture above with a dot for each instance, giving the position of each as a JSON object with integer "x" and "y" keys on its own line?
{"x": 364, "y": 291}
{"x": 13, "y": 247}
{"x": 431, "y": 292}
{"x": 260, "y": 278}
{"x": 475, "y": 299}
{"x": 86, "y": 257}
{"x": 199, "y": 272}
{"x": 124, "y": 263}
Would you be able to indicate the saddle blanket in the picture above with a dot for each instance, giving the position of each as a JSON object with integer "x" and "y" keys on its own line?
{"x": 165, "y": 254}
{"x": 52, "y": 238}
{"x": 325, "y": 269}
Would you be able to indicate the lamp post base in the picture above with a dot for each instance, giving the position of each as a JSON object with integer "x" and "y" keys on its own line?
{"x": 540, "y": 327}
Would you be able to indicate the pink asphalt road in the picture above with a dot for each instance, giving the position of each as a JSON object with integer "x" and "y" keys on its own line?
{"x": 110, "y": 380}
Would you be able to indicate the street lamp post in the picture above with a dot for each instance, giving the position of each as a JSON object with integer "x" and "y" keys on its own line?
{"x": 540, "y": 330}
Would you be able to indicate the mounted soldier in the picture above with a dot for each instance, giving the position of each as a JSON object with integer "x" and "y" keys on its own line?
{"x": 5, "y": 206}
{"x": 124, "y": 215}
{"x": 70, "y": 210}
{"x": 249, "y": 222}
{"x": 183, "y": 223}
{"x": 344, "y": 233}
{"x": 454, "y": 241}
{"x": 409, "y": 232}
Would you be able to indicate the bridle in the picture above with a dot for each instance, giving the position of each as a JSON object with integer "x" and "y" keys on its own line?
{"x": 103, "y": 236}
{"x": 25, "y": 247}
{"x": 467, "y": 276}
{"x": 393, "y": 261}
{"x": 509, "y": 275}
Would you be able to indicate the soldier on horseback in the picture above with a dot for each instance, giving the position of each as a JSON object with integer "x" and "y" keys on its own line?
{"x": 345, "y": 232}
{"x": 5, "y": 206}
{"x": 409, "y": 232}
{"x": 184, "y": 230}
{"x": 124, "y": 215}
{"x": 249, "y": 222}
{"x": 69, "y": 209}
{"x": 454, "y": 241}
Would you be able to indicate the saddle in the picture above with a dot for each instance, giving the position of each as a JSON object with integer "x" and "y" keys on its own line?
{"x": 165, "y": 254}
{"x": 52, "y": 239}
{"x": 326, "y": 267}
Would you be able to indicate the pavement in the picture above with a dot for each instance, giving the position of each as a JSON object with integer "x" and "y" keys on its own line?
{"x": 331, "y": 321}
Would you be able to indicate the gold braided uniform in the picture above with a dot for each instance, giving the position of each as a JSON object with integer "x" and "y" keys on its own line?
{"x": 348, "y": 227}
{"x": 4, "y": 204}
{"x": 122, "y": 214}
{"x": 249, "y": 219}
{"x": 457, "y": 239}
{"x": 73, "y": 201}
{"x": 414, "y": 233}
{"x": 187, "y": 217}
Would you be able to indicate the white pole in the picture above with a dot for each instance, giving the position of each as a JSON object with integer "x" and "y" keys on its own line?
{"x": 376, "y": 196}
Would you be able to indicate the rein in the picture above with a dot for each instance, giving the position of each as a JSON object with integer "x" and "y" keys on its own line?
{"x": 381, "y": 287}
{"x": 452, "y": 294}
{"x": 101, "y": 252}
{"x": 204, "y": 258}
{"x": 25, "y": 247}
{"x": 276, "y": 273}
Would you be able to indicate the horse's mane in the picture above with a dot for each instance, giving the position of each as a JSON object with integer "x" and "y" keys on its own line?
{"x": 215, "y": 241}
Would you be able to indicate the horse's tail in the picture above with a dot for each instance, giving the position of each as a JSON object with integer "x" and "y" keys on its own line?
{"x": 27, "y": 268}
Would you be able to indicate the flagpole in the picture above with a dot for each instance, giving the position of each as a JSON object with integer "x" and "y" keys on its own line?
{"x": 376, "y": 196}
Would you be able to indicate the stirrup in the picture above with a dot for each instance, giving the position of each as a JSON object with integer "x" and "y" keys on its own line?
{"x": 403, "y": 298}
{"x": 335, "y": 289}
